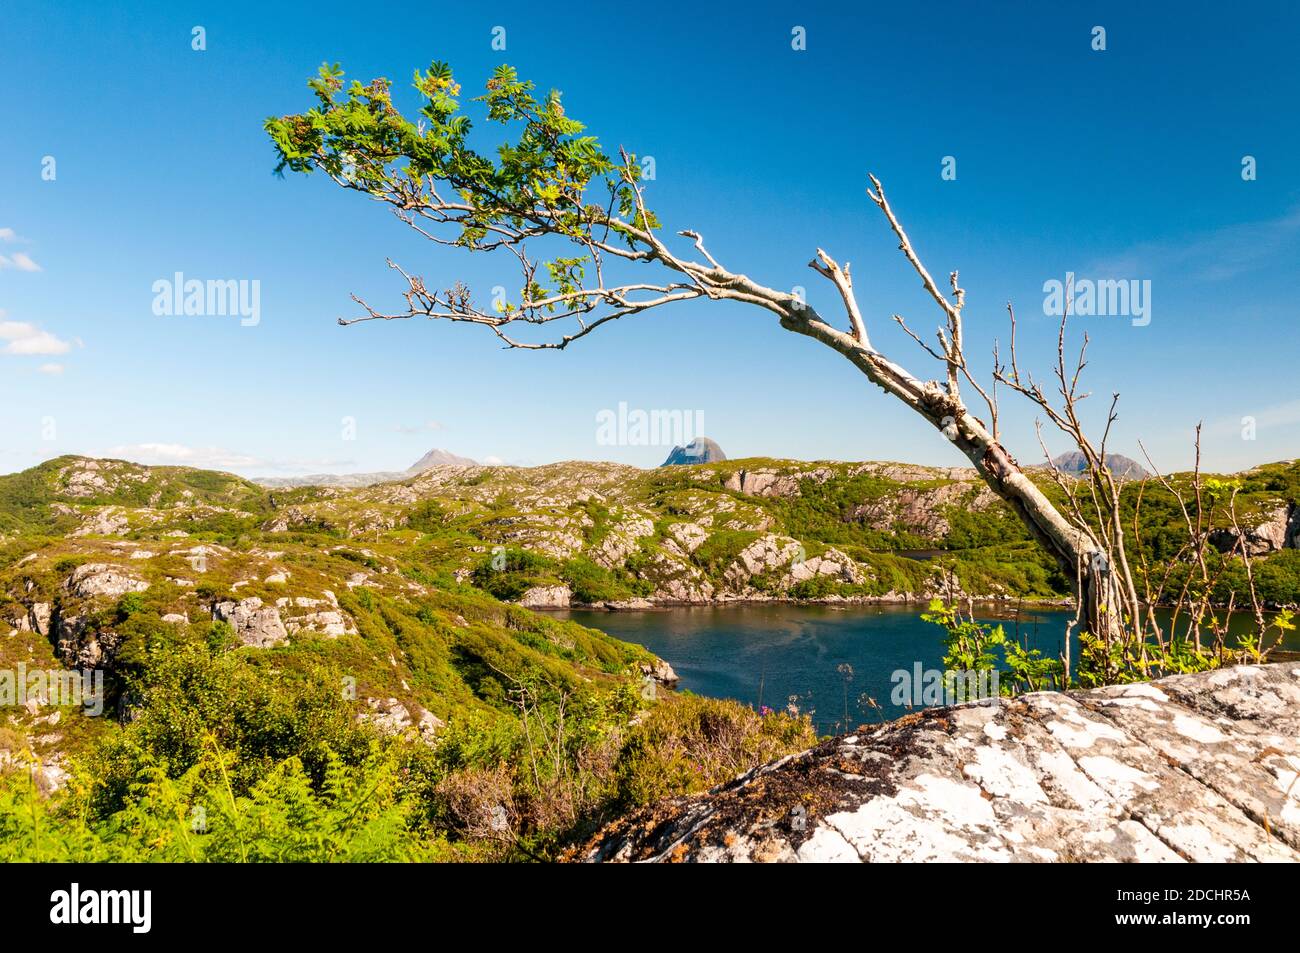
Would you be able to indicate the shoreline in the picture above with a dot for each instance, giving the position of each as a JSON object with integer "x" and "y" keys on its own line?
{"x": 1003, "y": 604}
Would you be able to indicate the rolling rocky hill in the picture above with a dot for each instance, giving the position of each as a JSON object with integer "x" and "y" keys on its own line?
{"x": 434, "y": 458}
{"x": 415, "y": 596}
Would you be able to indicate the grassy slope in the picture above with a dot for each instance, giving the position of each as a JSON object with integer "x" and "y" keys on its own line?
{"x": 416, "y": 567}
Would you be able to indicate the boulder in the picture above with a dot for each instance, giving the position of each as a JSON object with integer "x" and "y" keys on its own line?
{"x": 660, "y": 671}
{"x": 331, "y": 622}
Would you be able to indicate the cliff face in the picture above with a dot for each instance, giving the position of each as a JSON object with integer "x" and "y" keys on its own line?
{"x": 1188, "y": 768}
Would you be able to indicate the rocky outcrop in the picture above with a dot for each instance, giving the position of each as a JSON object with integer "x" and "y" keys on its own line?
{"x": 390, "y": 717}
{"x": 922, "y": 511}
{"x": 39, "y": 617}
{"x": 1279, "y": 528}
{"x": 660, "y": 671}
{"x": 831, "y": 563}
{"x": 108, "y": 521}
{"x": 764, "y": 482}
{"x": 677, "y": 580}
{"x": 1202, "y": 767}
{"x": 254, "y": 624}
{"x": 322, "y": 616}
{"x": 763, "y": 555}
{"x": 622, "y": 540}
{"x": 80, "y": 645}
{"x": 82, "y": 479}
{"x": 547, "y": 597}
{"x": 104, "y": 579}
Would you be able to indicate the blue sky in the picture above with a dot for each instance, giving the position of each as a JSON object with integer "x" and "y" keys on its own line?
{"x": 1123, "y": 163}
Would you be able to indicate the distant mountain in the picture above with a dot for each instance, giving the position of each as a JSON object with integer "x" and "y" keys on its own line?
{"x": 440, "y": 458}
{"x": 699, "y": 450}
{"x": 1076, "y": 464}
{"x": 436, "y": 457}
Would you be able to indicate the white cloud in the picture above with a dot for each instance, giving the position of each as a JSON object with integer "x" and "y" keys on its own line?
{"x": 493, "y": 461}
{"x": 19, "y": 260}
{"x": 26, "y": 338}
{"x": 212, "y": 458}
{"x": 8, "y": 235}
{"x": 176, "y": 454}
{"x": 51, "y": 368}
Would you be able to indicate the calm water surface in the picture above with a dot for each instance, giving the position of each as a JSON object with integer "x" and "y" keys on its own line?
{"x": 764, "y": 654}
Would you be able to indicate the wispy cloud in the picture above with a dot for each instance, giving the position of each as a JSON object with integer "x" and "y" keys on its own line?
{"x": 51, "y": 369}
{"x": 20, "y": 261}
{"x": 1286, "y": 414}
{"x": 212, "y": 458}
{"x": 1209, "y": 256}
{"x": 23, "y": 337}
{"x": 176, "y": 454}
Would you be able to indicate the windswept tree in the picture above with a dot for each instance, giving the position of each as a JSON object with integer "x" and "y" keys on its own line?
{"x": 589, "y": 251}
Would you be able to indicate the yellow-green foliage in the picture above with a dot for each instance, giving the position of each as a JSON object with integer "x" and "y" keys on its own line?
{"x": 689, "y": 744}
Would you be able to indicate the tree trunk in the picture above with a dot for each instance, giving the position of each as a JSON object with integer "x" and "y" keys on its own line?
{"x": 1081, "y": 558}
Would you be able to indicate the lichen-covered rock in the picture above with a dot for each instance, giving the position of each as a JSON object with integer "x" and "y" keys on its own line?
{"x": 685, "y": 538}
{"x": 1278, "y": 528}
{"x": 547, "y": 597}
{"x": 660, "y": 671}
{"x": 109, "y": 521}
{"x": 1187, "y": 768}
{"x": 39, "y": 618}
{"x": 390, "y": 717}
{"x": 765, "y": 482}
{"x": 254, "y": 624}
{"x": 923, "y": 511}
{"x": 763, "y": 555}
{"x": 104, "y": 579}
{"x": 622, "y": 540}
{"x": 81, "y": 646}
{"x": 831, "y": 563}
{"x": 323, "y": 616}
